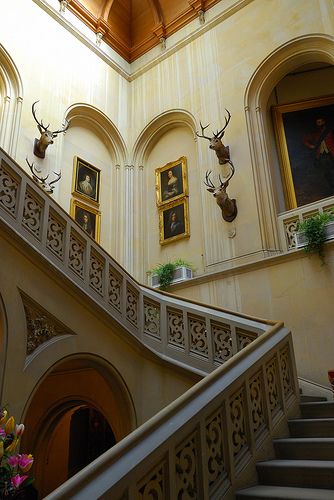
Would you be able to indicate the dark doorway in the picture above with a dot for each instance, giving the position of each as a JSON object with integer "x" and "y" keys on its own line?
{"x": 90, "y": 436}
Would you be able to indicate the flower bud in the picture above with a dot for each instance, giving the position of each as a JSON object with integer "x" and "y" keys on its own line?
{"x": 12, "y": 446}
{"x": 3, "y": 416}
{"x": 19, "y": 430}
{"x": 10, "y": 425}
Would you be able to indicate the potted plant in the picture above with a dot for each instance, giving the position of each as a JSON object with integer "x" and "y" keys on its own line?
{"x": 314, "y": 231}
{"x": 163, "y": 275}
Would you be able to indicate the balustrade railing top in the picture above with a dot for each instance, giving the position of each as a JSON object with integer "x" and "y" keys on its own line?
{"x": 187, "y": 333}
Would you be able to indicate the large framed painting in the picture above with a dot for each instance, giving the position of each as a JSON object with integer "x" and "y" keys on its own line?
{"x": 88, "y": 218}
{"x": 174, "y": 222}
{"x": 171, "y": 181}
{"x": 305, "y": 138}
{"x": 86, "y": 181}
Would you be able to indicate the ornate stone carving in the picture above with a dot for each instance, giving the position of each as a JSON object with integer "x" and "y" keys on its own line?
{"x": 115, "y": 286}
{"x": 76, "y": 254}
{"x": 287, "y": 378}
{"x": 8, "y": 189}
{"x": 238, "y": 421}
{"x": 215, "y": 449}
{"x": 198, "y": 335}
{"x": 96, "y": 273}
{"x": 244, "y": 338}
{"x": 32, "y": 213}
{"x": 132, "y": 305}
{"x": 56, "y": 234}
{"x": 290, "y": 228}
{"x": 222, "y": 342}
{"x": 152, "y": 318}
{"x": 273, "y": 385}
{"x": 41, "y": 325}
{"x": 256, "y": 391}
{"x": 186, "y": 469}
{"x": 175, "y": 328}
{"x": 153, "y": 486}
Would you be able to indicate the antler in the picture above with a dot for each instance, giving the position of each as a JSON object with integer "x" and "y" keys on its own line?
{"x": 226, "y": 179}
{"x": 203, "y": 128}
{"x": 55, "y": 180}
{"x": 208, "y": 182}
{"x": 40, "y": 124}
{"x": 220, "y": 133}
{"x": 66, "y": 124}
{"x": 35, "y": 176}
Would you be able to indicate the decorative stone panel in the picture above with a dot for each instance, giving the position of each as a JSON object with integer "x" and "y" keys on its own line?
{"x": 175, "y": 327}
{"x": 9, "y": 186}
{"x": 56, "y": 234}
{"x": 152, "y": 318}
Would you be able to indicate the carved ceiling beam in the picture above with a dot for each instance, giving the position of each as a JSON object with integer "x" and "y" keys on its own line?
{"x": 156, "y": 11}
{"x": 197, "y": 5}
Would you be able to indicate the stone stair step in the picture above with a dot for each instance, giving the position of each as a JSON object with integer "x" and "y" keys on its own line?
{"x": 284, "y": 492}
{"x": 304, "y": 448}
{"x": 322, "y": 409}
{"x": 312, "y": 399}
{"x": 297, "y": 473}
{"x": 313, "y": 427}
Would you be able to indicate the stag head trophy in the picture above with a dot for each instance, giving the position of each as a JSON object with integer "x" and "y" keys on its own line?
{"x": 43, "y": 181}
{"x": 227, "y": 206}
{"x": 47, "y": 135}
{"x": 222, "y": 152}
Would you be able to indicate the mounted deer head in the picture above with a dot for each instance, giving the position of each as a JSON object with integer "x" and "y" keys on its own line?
{"x": 47, "y": 186}
{"x": 43, "y": 142}
{"x": 222, "y": 152}
{"x": 227, "y": 206}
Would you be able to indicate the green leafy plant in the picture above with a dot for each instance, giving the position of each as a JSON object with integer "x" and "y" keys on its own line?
{"x": 165, "y": 271}
{"x": 315, "y": 232}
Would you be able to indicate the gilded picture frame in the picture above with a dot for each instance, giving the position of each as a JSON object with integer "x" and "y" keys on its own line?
{"x": 88, "y": 218}
{"x": 86, "y": 181}
{"x": 305, "y": 139}
{"x": 171, "y": 181}
{"x": 174, "y": 222}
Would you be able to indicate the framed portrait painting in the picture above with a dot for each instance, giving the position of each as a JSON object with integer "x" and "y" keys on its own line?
{"x": 305, "y": 138}
{"x": 174, "y": 222}
{"x": 86, "y": 181}
{"x": 171, "y": 182}
{"x": 88, "y": 218}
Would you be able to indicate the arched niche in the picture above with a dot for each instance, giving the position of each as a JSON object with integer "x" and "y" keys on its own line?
{"x": 11, "y": 97}
{"x": 285, "y": 59}
{"x": 74, "y": 383}
{"x": 165, "y": 139}
{"x": 94, "y": 138}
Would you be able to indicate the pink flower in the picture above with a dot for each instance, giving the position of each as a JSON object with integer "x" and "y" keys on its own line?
{"x": 25, "y": 462}
{"x": 2, "y": 432}
{"x": 17, "y": 480}
{"x": 19, "y": 430}
{"x": 13, "y": 461}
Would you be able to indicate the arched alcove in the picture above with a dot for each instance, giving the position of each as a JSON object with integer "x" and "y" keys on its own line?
{"x": 77, "y": 383}
{"x": 11, "y": 97}
{"x": 284, "y": 60}
{"x": 93, "y": 138}
{"x": 165, "y": 139}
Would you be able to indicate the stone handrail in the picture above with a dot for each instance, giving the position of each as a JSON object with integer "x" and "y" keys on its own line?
{"x": 205, "y": 444}
{"x": 184, "y": 332}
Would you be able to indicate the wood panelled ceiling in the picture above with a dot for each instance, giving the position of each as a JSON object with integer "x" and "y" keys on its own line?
{"x": 132, "y": 27}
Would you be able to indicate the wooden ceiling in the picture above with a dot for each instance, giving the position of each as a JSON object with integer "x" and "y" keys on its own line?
{"x": 132, "y": 27}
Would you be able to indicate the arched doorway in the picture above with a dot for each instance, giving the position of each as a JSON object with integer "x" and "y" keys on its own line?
{"x": 80, "y": 410}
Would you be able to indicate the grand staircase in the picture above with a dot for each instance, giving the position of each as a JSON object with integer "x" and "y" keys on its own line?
{"x": 304, "y": 465}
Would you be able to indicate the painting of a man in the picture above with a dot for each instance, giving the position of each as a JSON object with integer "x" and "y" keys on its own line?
{"x": 86, "y": 224}
{"x": 307, "y": 150}
{"x": 174, "y": 223}
{"x": 86, "y": 186}
{"x": 321, "y": 142}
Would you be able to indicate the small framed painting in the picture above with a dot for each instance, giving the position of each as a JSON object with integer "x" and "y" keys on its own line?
{"x": 86, "y": 181}
{"x": 174, "y": 222}
{"x": 171, "y": 182}
{"x": 88, "y": 218}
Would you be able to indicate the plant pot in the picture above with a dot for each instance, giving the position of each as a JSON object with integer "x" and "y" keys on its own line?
{"x": 181, "y": 273}
{"x": 301, "y": 240}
